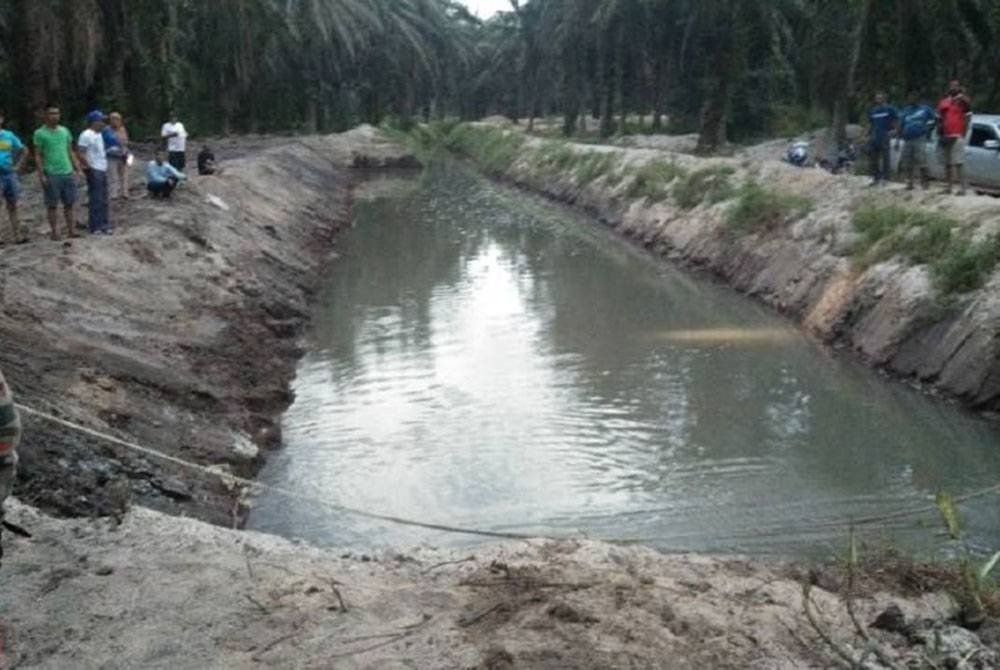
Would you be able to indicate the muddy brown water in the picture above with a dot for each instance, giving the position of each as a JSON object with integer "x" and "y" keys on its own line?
{"x": 486, "y": 359}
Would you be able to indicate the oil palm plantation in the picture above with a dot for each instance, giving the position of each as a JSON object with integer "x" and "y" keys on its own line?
{"x": 728, "y": 69}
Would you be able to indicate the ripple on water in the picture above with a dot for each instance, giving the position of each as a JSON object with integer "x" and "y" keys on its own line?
{"x": 484, "y": 359}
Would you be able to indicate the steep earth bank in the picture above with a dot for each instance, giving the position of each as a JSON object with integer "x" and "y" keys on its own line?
{"x": 160, "y": 591}
{"x": 890, "y": 312}
{"x": 180, "y": 331}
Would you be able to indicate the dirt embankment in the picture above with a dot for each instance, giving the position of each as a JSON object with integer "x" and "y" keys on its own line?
{"x": 890, "y": 312}
{"x": 167, "y": 592}
{"x": 179, "y": 332}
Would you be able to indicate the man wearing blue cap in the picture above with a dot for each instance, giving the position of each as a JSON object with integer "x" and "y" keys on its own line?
{"x": 95, "y": 161}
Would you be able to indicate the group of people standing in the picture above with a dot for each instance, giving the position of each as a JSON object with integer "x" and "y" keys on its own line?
{"x": 913, "y": 125}
{"x": 102, "y": 155}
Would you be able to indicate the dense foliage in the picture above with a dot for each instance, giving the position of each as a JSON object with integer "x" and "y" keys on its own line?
{"x": 234, "y": 65}
{"x": 731, "y": 68}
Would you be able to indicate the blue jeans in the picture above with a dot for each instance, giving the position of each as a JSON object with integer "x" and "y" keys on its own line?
{"x": 97, "y": 193}
{"x": 10, "y": 188}
{"x": 881, "y": 158}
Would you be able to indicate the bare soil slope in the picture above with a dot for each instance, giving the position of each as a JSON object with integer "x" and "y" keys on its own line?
{"x": 168, "y": 592}
{"x": 180, "y": 331}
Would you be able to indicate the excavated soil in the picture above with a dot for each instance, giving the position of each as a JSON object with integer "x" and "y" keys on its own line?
{"x": 167, "y": 592}
{"x": 180, "y": 331}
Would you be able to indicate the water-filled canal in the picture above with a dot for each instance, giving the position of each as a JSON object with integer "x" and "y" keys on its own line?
{"x": 482, "y": 358}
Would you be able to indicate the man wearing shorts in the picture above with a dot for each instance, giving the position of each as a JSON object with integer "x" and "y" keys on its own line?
{"x": 10, "y": 435}
{"x": 59, "y": 170}
{"x": 916, "y": 120}
{"x": 953, "y": 113}
{"x": 12, "y": 155}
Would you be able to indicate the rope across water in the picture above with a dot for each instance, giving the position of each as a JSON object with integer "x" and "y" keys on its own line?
{"x": 447, "y": 528}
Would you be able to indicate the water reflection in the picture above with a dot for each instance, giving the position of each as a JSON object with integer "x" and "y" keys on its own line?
{"x": 480, "y": 358}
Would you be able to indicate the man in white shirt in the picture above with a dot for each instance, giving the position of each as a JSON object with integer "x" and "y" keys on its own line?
{"x": 90, "y": 147}
{"x": 176, "y": 136}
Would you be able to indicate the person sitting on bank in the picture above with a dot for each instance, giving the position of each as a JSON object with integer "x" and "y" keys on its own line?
{"x": 206, "y": 161}
{"x": 162, "y": 177}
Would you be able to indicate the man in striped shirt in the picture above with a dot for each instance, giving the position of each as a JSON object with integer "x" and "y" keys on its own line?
{"x": 10, "y": 435}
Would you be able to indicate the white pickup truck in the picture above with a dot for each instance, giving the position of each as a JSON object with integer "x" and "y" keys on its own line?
{"x": 982, "y": 154}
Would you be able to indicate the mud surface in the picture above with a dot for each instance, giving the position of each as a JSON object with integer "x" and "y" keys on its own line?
{"x": 178, "y": 332}
{"x": 166, "y": 592}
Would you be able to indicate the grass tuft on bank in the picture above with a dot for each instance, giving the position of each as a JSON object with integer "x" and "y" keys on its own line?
{"x": 923, "y": 237}
{"x": 653, "y": 180}
{"x": 495, "y": 149}
{"x": 760, "y": 209}
{"x": 711, "y": 184}
{"x": 594, "y": 165}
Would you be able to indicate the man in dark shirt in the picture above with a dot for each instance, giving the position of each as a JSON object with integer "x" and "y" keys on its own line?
{"x": 882, "y": 121}
{"x": 206, "y": 161}
{"x": 916, "y": 121}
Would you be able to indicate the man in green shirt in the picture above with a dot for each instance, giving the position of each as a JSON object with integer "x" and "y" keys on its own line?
{"x": 58, "y": 170}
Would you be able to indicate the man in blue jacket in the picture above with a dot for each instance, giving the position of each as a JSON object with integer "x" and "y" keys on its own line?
{"x": 882, "y": 120}
{"x": 916, "y": 121}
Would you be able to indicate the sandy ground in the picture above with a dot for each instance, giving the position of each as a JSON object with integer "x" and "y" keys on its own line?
{"x": 167, "y": 592}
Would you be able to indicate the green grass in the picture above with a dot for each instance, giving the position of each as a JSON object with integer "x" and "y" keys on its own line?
{"x": 711, "y": 183}
{"x": 429, "y": 136}
{"x": 593, "y": 165}
{"x": 924, "y": 238}
{"x": 494, "y": 149}
{"x": 556, "y": 154}
{"x": 759, "y": 209}
{"x": 653, "y": 180}
{"x": 966, "y": 266}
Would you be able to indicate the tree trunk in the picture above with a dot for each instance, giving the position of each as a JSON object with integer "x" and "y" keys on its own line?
{"x": 842, "y": 104}
{"x": 606, "y": 57}
{"x": 714, "y": 111}
{"x": 620, "y": 77}
{"x": 312, "y": 113}
{"x": 29, "y": 72}
{"x": 657, "y": 93}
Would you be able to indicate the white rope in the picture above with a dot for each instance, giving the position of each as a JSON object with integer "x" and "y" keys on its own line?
{"x": 249, "y": 483}
{"x": 388, "y": 518}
